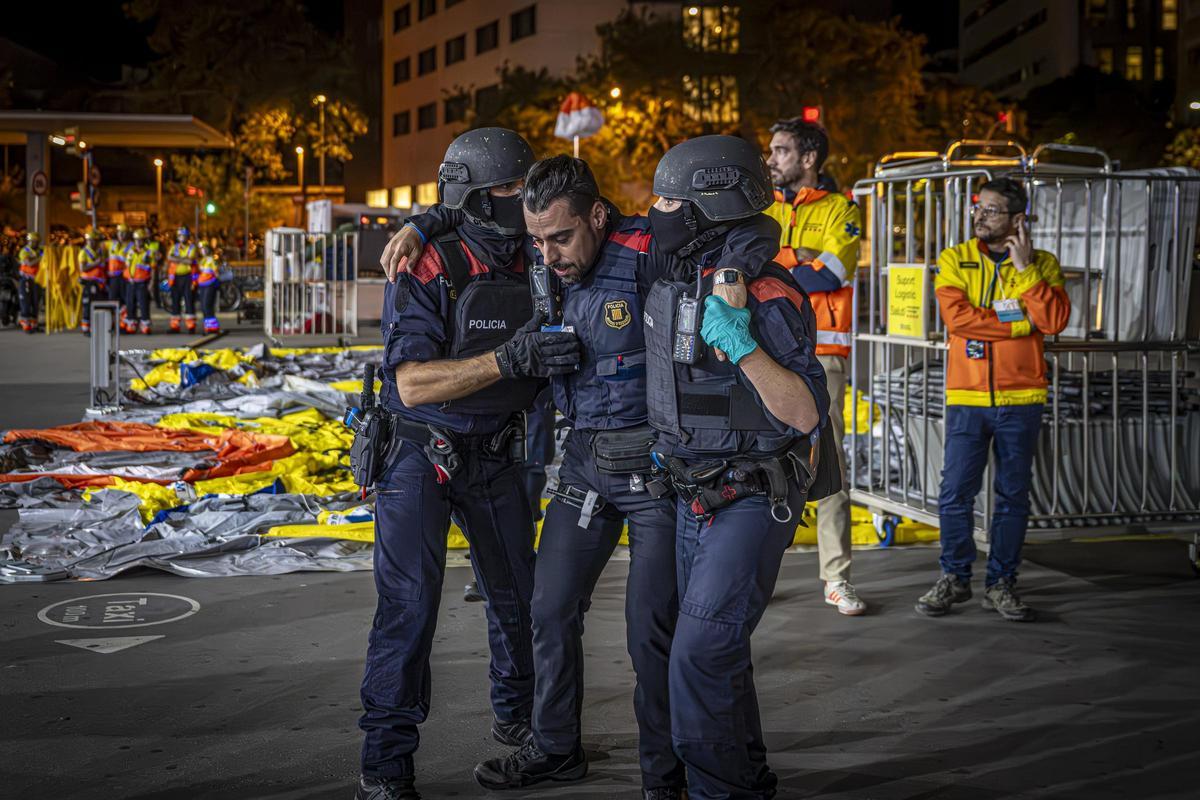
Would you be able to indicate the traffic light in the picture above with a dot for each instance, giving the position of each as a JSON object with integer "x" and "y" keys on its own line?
{"x": 210, "y": 208}
{"x": 79, "y": 197}
{"x": 811, "y": 114}
{"x": 1008, "y": 118}
{"x": 72, "y": 137}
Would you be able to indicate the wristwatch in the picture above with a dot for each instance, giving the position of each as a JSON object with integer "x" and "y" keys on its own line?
{"x": 725, "y": 276}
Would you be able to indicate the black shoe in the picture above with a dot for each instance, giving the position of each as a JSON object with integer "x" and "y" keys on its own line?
{"x": 512, "y": 734}
{"x": 1002, "y": 598}
{"x": 664, "y": 793}
{"x": 386, "y": 789}
{"x": 528, "y": 766}
{"x": 471, "y": 593}
{"x": 948, "y": 590}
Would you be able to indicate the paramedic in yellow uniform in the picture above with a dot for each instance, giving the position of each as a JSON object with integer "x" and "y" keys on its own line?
{"x": 819, "y": 246}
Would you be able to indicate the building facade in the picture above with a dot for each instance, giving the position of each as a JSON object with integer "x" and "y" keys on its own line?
{"x": 1012, "y": 46}
{"x": 440, "y": 57}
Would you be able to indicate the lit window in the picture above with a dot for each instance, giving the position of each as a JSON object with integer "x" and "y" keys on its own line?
{"x": 711, "y": 29}
{"x": 402, "y": 197}
{"x": 427, "y": 193}
{"x": 377, "y": 198}
{"x": 1159, "y": 67}
{"x": 1133, "y": 64}
{"x": 1096, "y": 10}
{"x": 1131, "y": 14}
{"x": 711, "y": 98}
{"x": 1170, "y": 15}
{"x": 1104, "y": 60}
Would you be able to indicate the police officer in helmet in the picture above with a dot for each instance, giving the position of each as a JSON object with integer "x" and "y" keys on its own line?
{"x": 607, "y": 262}
{"x": 737, "y": 397}
{"x": 464, "y": 357}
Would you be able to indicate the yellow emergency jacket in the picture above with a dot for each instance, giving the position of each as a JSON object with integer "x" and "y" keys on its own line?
{"x": 830, "y": 224}
{"x": 990, "y": 362}
{"x": 182, "y": 258}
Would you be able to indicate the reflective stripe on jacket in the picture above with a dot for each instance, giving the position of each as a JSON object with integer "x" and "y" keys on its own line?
{"x": 208, "y": 271}
{"x": 91, "y": 263}
{"x": 995, "y": 363}
{"x": 30, "y": 259}
{"x": 831, "y": 225}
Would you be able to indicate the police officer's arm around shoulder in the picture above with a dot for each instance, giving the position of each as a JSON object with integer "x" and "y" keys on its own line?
{"x": 785, "y": 390}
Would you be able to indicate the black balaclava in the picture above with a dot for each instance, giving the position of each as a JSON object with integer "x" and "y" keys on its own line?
{"x": 495, "y": 233}
{"x": 673, "y": 232}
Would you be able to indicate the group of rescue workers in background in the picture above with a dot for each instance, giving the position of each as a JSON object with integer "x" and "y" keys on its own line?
{"x": 122, "y": 270}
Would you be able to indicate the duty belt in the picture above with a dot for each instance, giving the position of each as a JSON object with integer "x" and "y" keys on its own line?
{"x": 443, "y": 448}
{"x": 711, "y": 485}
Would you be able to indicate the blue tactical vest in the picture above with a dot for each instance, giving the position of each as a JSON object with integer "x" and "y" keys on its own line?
{"x": 487, "y": 309}
{"x": 706, "y": 409}
{"x": 605, "y": 308}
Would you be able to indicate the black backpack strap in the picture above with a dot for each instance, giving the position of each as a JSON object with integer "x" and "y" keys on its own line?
{"x": 458, "y": 269}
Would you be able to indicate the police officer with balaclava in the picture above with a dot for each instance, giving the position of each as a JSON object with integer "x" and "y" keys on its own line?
{"x": 464, "y": 357}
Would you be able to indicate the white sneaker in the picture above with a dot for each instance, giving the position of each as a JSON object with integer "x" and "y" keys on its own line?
{"x": 843, "y": 595}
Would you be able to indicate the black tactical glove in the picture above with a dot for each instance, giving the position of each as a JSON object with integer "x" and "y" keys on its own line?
{"x": 530, "y": 353}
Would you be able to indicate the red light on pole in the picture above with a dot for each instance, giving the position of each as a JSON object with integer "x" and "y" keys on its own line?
{"x": 811, "y": 114}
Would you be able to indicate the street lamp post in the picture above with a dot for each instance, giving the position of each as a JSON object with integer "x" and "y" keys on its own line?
{"x": 300, "y": 173}
{"x": 319, "y": 101}
{"x": 158, "y": 165}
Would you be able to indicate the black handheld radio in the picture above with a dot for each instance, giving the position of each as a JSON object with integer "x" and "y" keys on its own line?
{"x": 687, "y": 347}
{"x": 543, "y": 285}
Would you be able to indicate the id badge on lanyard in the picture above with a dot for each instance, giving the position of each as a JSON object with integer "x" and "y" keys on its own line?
{"x": 1007, "y": 309}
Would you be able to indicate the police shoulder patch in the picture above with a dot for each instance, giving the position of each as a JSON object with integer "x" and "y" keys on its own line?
{"x": 616, "y": 314}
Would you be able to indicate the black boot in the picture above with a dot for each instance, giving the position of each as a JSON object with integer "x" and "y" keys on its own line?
{"x": 512, "y": 734}
{"x": 528, "y": 766}
{"x": 386, "y": 789}
{"x": 471, "y": 593}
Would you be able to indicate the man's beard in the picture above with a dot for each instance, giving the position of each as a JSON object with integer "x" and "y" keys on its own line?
{"x": 781, "y": 178}
{"x": 990, "y": 237}
{"x": 572, "y": 273}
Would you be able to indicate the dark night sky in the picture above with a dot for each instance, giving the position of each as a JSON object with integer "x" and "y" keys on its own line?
{"x": 94, "y": 39}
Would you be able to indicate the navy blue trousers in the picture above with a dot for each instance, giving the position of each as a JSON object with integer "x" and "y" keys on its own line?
{"x": 727, "y": 570}
{"x": 412, "y": 518}
{"x": 29, "y": 295}
{"x": 1012, "y": 433}
{"x": 539, "y": 449}
{"x": 570, "y": 560}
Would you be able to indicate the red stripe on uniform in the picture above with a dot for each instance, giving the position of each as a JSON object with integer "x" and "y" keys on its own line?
{"x": 765, "y": 289}
{"x": 635, "y": 240}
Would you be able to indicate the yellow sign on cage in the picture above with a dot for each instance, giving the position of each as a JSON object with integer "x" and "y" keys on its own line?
{"x": 906, "y": 300}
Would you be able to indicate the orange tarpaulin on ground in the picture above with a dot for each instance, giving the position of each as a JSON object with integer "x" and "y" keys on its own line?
{"x": 235, "y": 452}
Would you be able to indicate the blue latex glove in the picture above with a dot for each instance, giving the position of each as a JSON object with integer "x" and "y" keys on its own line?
{"x": 727, "y": 328}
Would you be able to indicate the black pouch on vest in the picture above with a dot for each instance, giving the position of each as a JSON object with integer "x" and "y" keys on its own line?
{"x": 620, "y": 452}
{"x": 828, "y": 480}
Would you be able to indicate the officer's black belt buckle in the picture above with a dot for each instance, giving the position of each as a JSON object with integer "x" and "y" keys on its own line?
{"x": 589, "y": 503}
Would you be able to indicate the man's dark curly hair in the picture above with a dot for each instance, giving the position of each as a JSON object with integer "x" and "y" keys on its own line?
{"x": 560, "y": 176}
{"x": 810, "y": 137}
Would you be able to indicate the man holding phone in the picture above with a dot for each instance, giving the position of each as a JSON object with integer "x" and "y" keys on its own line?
{"x": 998, "y": 298}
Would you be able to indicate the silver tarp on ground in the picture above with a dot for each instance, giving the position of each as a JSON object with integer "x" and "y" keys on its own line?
{"x": 61, "y": 534}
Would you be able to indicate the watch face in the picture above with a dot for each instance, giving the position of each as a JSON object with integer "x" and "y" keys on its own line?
{"x": 728, "y": 276}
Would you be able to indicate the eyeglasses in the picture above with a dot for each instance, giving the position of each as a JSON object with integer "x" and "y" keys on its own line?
{"x": 988, "y": 212}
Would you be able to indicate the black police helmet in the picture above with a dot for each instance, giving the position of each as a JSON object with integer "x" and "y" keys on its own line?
{"x": 481, "y": 158}
{"x": 723, "y": 176}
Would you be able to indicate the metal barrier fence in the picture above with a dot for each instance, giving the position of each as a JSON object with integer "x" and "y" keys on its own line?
{"x": 309, "y": 284}
{"x": 1120, "y": 441}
